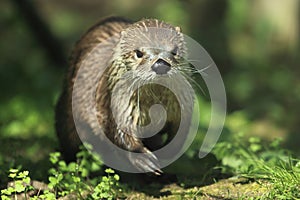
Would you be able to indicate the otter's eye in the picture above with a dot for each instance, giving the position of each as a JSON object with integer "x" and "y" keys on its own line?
{"x": 174, "y": 52}
{"x": 138, "y": 53}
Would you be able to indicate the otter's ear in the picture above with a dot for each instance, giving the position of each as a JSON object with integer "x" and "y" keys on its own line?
{"x": 178, "y": 29}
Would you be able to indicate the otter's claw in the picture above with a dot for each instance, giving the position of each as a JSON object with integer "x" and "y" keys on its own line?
{"x": 145, "y": 162}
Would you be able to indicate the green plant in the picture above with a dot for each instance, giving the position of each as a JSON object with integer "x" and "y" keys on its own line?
{"x": 75, "y": 178}
{"x": 109, "y": 187}
{"x": 66, "y": 178}
{"x": 20, "y": 184}
{"x": 252, "y": 159}
{"x": 47, "y": 194}
{"x": 72, "y": 179}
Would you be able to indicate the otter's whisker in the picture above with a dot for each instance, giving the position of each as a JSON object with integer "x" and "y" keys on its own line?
{"x": 194, "y": 82}
{"x": 194, "y": 71}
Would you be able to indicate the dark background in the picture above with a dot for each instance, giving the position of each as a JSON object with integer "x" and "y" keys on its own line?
{"x": 255, "y": 44}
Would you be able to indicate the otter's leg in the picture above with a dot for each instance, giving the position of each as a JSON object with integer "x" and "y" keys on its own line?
{"x": 139, "y": 156}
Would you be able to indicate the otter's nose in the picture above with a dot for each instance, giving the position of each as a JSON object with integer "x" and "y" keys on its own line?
{"x": 161, "y": 66}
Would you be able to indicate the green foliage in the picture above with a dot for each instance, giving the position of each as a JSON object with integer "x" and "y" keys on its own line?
{"x": 29, "y": 118}
{"x": 69, "y": 179}
{"x": 20, "y": 184}
{"x": 88, "y": 162}
{"x": 74, "y": 178}
{"x": 107, "y": 188}
{"x": 240, "y": 156}
{"x": 46, "y": 195}
{"x": 252, "y": 159}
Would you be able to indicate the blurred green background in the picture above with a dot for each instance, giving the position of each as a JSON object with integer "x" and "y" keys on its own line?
{"x": 254, "y": 43}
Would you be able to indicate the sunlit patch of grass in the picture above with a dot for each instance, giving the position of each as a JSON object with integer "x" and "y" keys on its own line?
{"x": 255, "y": 160}
{"x": 284, "y": 178}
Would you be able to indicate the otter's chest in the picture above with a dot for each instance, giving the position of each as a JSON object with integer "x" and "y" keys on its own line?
{"x": 152, "y": 95}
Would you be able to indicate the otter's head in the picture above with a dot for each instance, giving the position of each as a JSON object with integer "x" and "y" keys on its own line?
{"x": 152, "y": 48}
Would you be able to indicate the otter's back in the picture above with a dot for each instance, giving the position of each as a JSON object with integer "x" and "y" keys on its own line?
{"x": 99, "y": 33}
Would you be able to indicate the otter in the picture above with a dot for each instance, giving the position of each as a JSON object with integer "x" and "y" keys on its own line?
{"x": 142, "y": 52}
